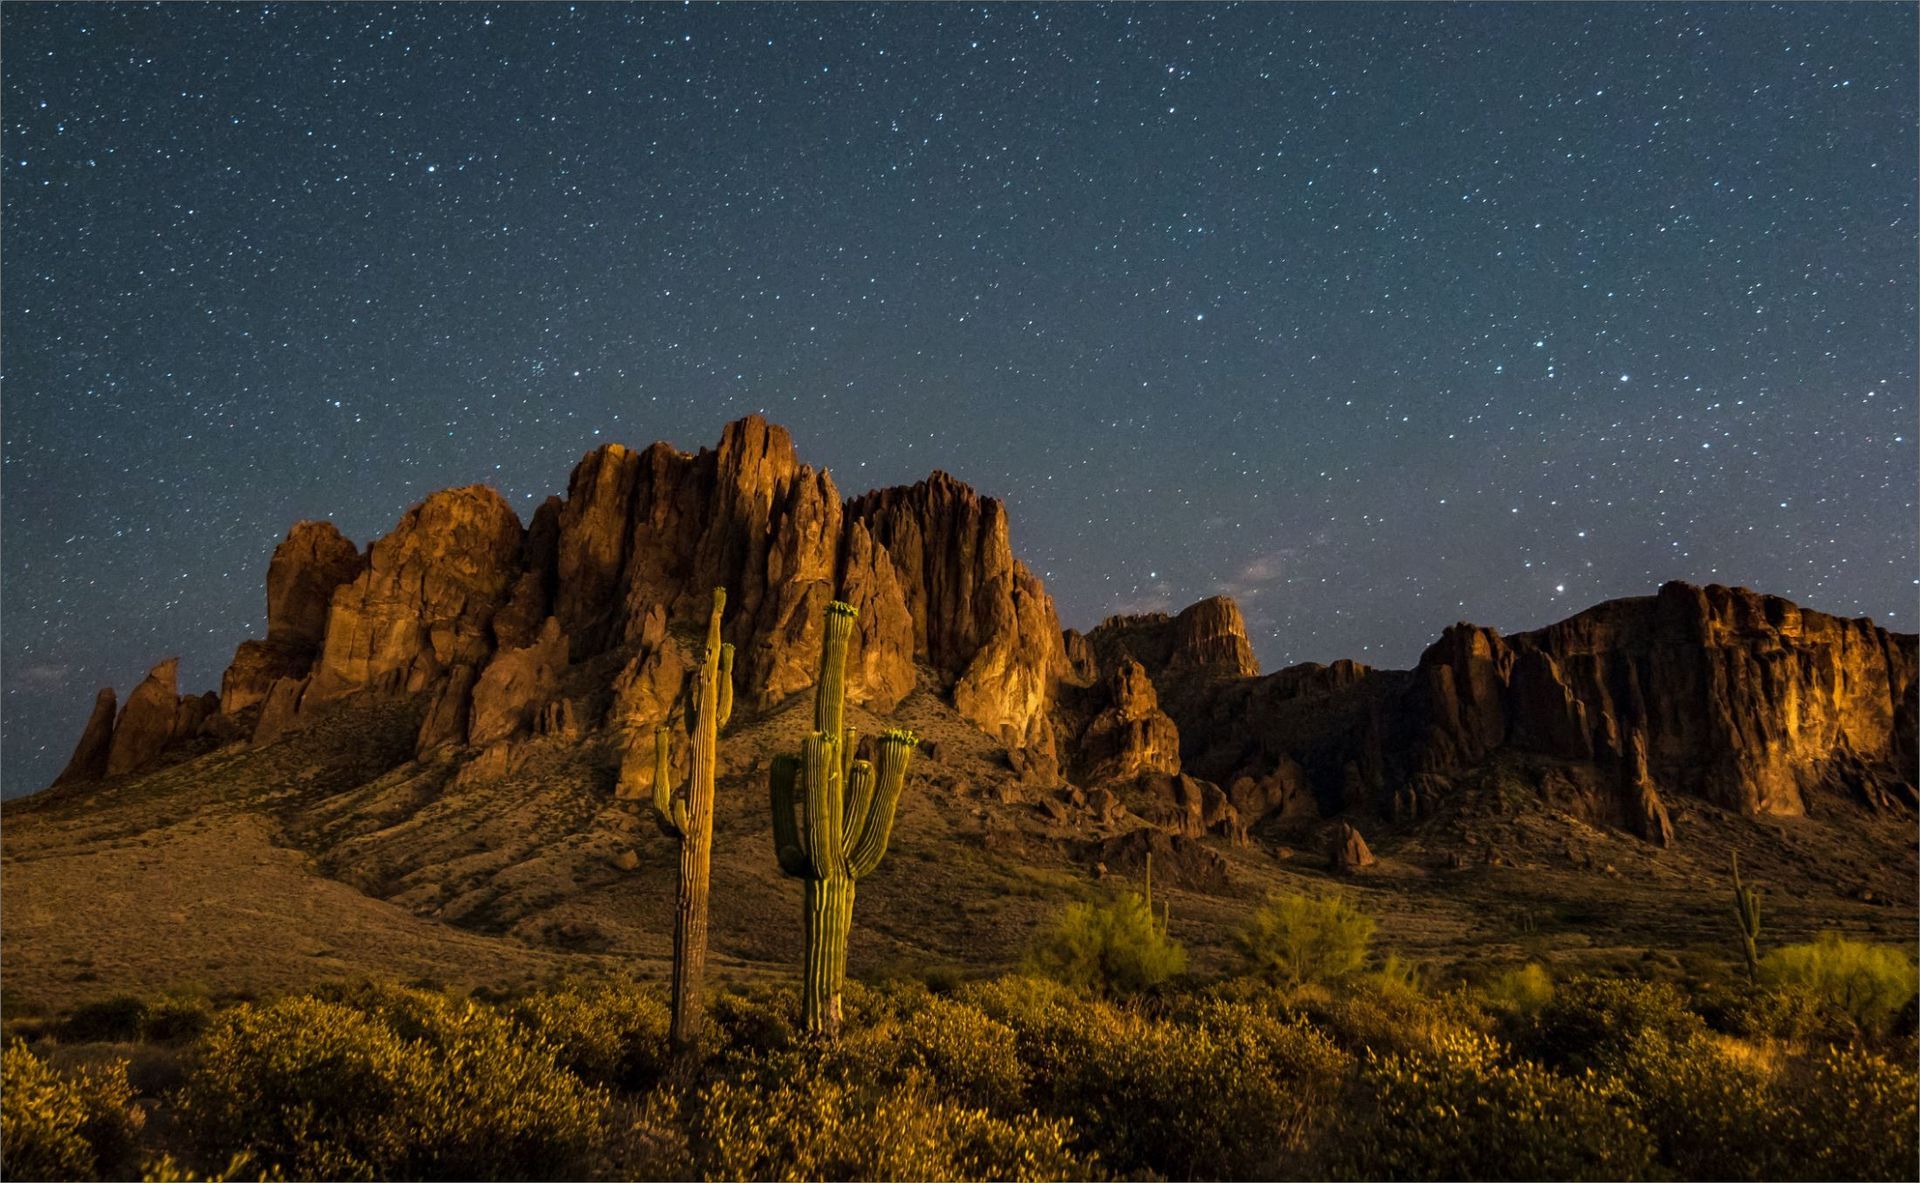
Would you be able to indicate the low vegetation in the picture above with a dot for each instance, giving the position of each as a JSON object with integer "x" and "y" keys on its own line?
{"x": 1331, "y": 1064}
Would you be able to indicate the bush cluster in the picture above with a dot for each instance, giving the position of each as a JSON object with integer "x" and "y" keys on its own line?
{"x": 411, "y": 1087}
{"x": 61, "y": 1127}
{"x": 1329, "y": 1069}
{"x": 1115, "y": 948}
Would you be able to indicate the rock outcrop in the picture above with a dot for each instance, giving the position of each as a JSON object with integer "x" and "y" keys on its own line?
{"x": 1748, "y": 701}
{"x": 155, "y": 716}
{"x": 89, "y": 759}
{"x": 307, "y": 567}
{"x": 516, "y": 684}
{"x": 981, "y": 620}
{"x": 461, "y": 603}
{"x": 426, "y": 601}
{"x": 1745, "y": 701}
{"x": 1347, "y": 851}
{"x": 1130, "y": 734}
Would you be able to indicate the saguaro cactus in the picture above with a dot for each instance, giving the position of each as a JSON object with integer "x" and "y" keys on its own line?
{"x": 832, "y": 816}
{"x": 1746, "y": 910}
{"x": 687, "y": 814}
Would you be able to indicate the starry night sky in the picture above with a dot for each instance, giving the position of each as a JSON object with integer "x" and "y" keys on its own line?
{"x": 1376, "y": 317}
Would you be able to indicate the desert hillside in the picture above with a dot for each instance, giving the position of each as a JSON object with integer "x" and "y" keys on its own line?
{"x": 436, "y": 763}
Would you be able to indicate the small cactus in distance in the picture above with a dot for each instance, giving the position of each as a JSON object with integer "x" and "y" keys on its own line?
{"x": 832, "y": 817}
{"x": 687, "y": 815}
{"x": 1746, "y": 910}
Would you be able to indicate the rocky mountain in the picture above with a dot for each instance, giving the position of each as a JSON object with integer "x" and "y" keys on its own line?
{"x": 1719, "y": 694}
{"x": 579, "y": 624}
{"x": 447, "y": 737}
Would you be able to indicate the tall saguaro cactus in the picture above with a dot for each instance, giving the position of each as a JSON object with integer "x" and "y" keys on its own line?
{"x": 1746, "y": 911}
{"x": 687, "y": 814}
{"x": 832, "y": 816}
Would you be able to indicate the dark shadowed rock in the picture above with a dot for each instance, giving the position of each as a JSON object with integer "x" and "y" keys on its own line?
{"x": 89, "y": 760}
{"x": 514, "y": 685}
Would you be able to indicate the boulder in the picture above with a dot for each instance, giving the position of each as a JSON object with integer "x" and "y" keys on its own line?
{"x": 1348, "y": 850}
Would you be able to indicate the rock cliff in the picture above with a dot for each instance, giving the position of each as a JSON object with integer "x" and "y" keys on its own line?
{"x": 486, "y": 619}
{"x": 1742, "y": 700}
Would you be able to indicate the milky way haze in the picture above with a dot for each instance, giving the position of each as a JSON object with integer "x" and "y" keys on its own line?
{"x": 1375, "y": 317}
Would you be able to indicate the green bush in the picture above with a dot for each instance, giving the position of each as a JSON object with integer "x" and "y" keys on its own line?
{"x": 1521, "y": 991}
{"x": 320, "y": 1089}
{"x": 177, "y": 1020}
{"x": 1846, "y": 1113}
{"x": 1228, "y": 1093}
{"x": 1366, "y": 1014}
{"x": 1466, "y": 1109}
{"x": 1709, "y": 1108}
{"x": 1597, "y": 1022}
{"x": 1295, "y": 938}
{"x": 796, "y": 1118}
{"x": 58, "y": 1127}
{"x": 974, "y": 1059}
{"x": 112, "y": 1020}
{"x": 1867, "y": 983}
{"x": 1110, "y": 949}
{"x": 610, "y": 1033}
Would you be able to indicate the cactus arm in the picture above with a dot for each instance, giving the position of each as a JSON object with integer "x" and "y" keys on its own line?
{"x": 819, "y": 772}
{"x": 849, "y": 740}
{"x": 868, "y": 844}
{"x": 830, "y": 696}
{"x": 713, "y": 619}
{"x": 782, "y": 776}
{"x": 669, "y": 807}
{"x": 860, "y": 783}
{"x": 726, "y": 685}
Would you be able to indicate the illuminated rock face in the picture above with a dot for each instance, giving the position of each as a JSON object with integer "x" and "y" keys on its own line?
{"x": 462, "y": 603}
{"x": 426, "y": 601}
{"x": 308, "y": 566}
{"x": 1746, "y": 700}
{"x": 1743, "y": 700}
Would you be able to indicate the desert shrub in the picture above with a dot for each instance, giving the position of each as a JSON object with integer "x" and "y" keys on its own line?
{"x": 1867, "y": 983}
{"x": 746, "y": 1022}
{"x": 58, "y": 1127}
{"x": 1296, "y": 938}
{"x": 1365, "y": 1014}
{"x": 1110, "y": 949}
{"x": 1521, "y": 991}
{"x": 1597, "y": 1022}
{"x": 1707, "y": 1104}
{"x": 177, "y": 1020}
{"x": 239, "y": 1169}
{"x": 1846, "y": 1113}
{"x": 111, "y": 1020}
{"x": 1021, "y": 1001}
{"x": 320, "y": 1089}
{"x": 1467, "y": 1109}
{"x": 797, "y": 1118}
{"x": 609, "y": 1033}
{"x": 975, "y": 1059}
{"x": 1229, "y": 1093}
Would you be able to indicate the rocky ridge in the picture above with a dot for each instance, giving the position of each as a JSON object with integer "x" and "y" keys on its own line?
{"x": 580, "y": 624}
{"x": 482, "y": 618}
